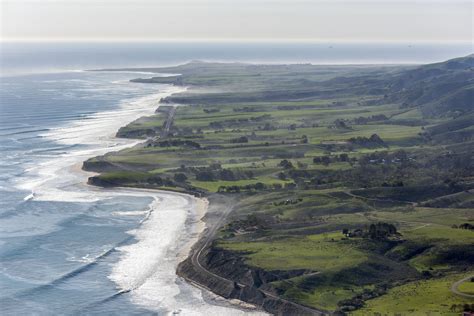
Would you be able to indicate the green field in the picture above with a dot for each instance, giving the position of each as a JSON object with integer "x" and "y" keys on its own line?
{"x": 431, "y": 297}
{"x": 354, "y": 186}
{"x": 322, "y": 252}
{"x": 467, "y": 287}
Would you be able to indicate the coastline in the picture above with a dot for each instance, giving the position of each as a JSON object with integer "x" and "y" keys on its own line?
{"x": 214, "y": 289}
{"x": 194, "y": 227}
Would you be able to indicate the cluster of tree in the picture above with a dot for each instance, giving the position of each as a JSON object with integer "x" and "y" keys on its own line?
{"x": 378, "y": 231}
{"x": 160, "y": 181}
{"x": 393, "y": 184}
{"x": 297, "y": 107}
{"x": 256, "y": 187}
{"x": 464, "y": 226}
{"x": 209, "y": 111}
{"x": 459, "y": 308}
{"x": 292, "y": 127}
{"x": 216, "y": 172}
{"x": 453, "y": 162}
{"x": 289, "y": 154}
{"x": 326, "y": 160}
{"x": 357, "y": 301}
{"x": 423, "y": 169}
{"x": 372, "y": 141}
{"x": 246, "y": 109}
{"x": 340, "y": 124}
{"x": 234, "y": 122}
{"x": 301, "y": 165}
{"x": 286, "y": 164}
{"x": 180, "y": 177}
{"x": 176, "y": 143}
{"x": 374, "y": 118}
{"x": 216, "y": 125}
{"x": 366, "y": 176}
{"x": 267, "y": 127}
{"x": 296, "y": 174}
{"x": 338, "y": 103}
{"x": 241, "y": 139}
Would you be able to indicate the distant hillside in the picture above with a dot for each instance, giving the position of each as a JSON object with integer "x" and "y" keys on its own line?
{"x": 443, "y": 89}
{"x": 440, "y": 90}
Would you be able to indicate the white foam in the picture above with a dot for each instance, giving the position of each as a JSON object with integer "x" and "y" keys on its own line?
{"x": 132, "y": 213}
{"x": 52, "y": 180}
{"x": 147, "y": 267}
{"x": 29, "y": 197}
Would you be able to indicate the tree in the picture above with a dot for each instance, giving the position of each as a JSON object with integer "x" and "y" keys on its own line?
{"x": 180, "y": 177}
{"x": 277, "y": 186}
{"x": 343, "y": 157}
{"x": 286, "y": 164}
{"x": 156, "y": 180}
{"x": 242, "y": 139}
{"x": 301, "y": 165}
{"x": 227, "y": 175}
{"x": 326, "y": 160}
{"x": 204, "y": 176}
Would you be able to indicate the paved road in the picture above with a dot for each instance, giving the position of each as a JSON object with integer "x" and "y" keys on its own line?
{"x": 454, "y": 287}
{"x": 195, "y": 259}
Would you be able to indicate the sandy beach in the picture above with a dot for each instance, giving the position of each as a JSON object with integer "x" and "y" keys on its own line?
{"x": 172, "y": 225}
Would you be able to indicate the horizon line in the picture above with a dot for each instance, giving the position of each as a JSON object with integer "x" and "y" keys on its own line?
{"x": 226, "y": 40}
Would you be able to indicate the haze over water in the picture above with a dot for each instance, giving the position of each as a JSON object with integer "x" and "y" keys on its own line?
{"x": 69, "y": 248}
{"x": 47, "y": 57}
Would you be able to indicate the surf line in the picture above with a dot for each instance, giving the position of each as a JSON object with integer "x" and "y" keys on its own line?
{"x": 96, "y": 261}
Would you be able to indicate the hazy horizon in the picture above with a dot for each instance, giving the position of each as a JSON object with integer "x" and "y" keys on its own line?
{"x": 410, "y": 21}
{"x": 39, "y": 57}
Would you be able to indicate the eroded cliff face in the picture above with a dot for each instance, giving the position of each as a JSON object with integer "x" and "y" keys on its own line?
{"x": 98, "y": 166}
{"x": 100, "y": 182}
{"x": 226, "y": 274}
{"x": 231, "y": 265}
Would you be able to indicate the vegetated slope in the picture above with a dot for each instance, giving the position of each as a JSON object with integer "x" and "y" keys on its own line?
{"x": 442, "y": 89}
{"x": 457, "y": 130}
{"x": 346, "y": 193}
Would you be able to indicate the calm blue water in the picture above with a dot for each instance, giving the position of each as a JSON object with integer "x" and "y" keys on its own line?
{"x": 58, "y": 237}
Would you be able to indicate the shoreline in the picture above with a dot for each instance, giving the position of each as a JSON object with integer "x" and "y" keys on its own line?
{"x": 195, "y": 225}
{"x": 214, "y": 289}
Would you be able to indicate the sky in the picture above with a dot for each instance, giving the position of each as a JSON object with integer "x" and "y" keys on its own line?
{"x": 236, "y": 20}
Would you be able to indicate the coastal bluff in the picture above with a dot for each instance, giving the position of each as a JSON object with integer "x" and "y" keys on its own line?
{"x": 225, "y": 274}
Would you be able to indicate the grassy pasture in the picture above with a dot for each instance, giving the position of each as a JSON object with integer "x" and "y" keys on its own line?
{"x": 429, "y": 297}
{"x": 256, "y": 120}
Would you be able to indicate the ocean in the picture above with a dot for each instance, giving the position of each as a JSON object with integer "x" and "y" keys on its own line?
{"x": 69, "y": 248}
